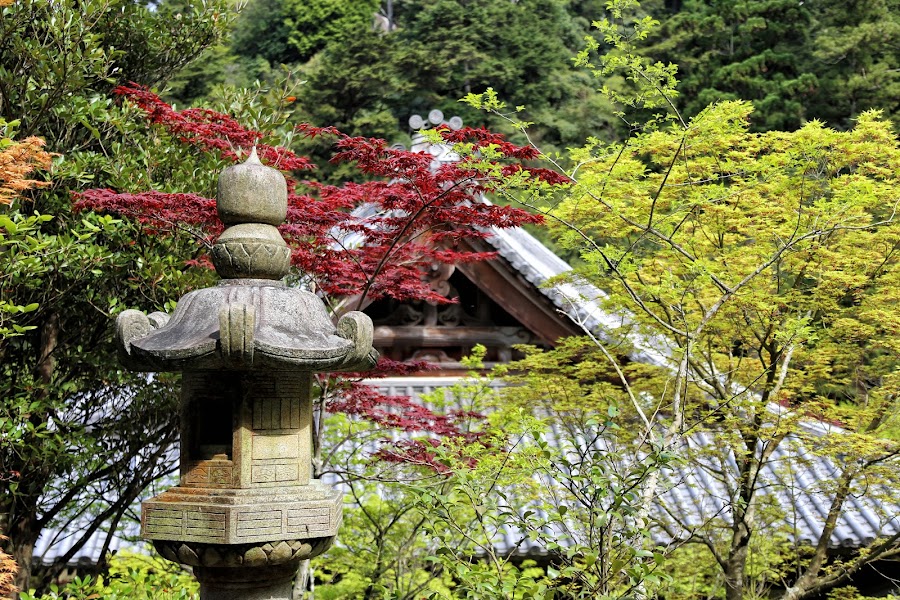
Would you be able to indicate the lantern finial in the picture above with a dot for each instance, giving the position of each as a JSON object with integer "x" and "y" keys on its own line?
{"x": 252, "y": 201}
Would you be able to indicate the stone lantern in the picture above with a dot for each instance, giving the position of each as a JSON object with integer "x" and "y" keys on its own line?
{"x": 245, "y": 511}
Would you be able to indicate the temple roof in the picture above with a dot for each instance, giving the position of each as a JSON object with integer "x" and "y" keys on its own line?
{"x": 698, "y": 499}
{"x": 580, "y": 303}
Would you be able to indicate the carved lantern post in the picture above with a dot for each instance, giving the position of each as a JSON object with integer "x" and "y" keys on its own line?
{"x": 246, "y": 511}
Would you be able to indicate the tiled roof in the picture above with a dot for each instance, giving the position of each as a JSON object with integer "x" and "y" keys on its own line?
{"x": 581, "y": 302}
{"x": 56, "y": 542}
{"x": 799, "y": 478}
{"x": 795, "y": 475}
{"x": 795, "y": 478}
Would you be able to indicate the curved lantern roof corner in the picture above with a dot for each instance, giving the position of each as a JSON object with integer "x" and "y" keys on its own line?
{"x": 258, "y": 326}
{"x": 251, "y": 319}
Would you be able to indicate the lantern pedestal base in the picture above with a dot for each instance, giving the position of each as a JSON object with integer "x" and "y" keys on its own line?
{"x": 242, "y": 555}
{"x": 243, "y": 544}
{"x": 217, "y": 516}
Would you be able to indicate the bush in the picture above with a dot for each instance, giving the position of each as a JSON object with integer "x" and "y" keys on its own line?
{"x": 131, "y": 576}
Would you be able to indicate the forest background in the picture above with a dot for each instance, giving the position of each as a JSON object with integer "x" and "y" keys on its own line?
{"x": 324, "y": 62}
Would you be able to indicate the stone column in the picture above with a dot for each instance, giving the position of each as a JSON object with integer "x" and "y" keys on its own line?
{"x": 271, "y": 582}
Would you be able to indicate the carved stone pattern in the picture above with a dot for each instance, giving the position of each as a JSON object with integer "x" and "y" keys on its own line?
{"x": 220, "y": 475}
{"x": 191, "y": 517}
{"x": 131, "y": 325}
{"x": 242, "y": 259}
{"x": 310, "y": 521}
{"x": 265, "y": 472}
{"x": 259, "y": 522}
{"x": 242, "y": 555}
{"x": 277, "y": 404}
{"x": 207, "y": 524}
{"x": 196, "y": 474}
{"x": 237, "y": 326}
{"x": 208, "y": 475}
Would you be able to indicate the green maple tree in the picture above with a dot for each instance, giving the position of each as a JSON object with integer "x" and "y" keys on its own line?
{"x": 760, "y": 270}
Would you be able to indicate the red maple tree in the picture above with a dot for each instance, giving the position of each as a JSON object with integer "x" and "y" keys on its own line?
{"x": 355, "y": 241}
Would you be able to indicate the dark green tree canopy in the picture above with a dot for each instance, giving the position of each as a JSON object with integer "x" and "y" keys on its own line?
{"x": 796, "y": 61}
{"x": 515, "y": 47}
{"x": 367, "y": 74}
{"x": 292, "y": 31}
{"x": 746, "y": 50}
{"x": 856, "y": 58}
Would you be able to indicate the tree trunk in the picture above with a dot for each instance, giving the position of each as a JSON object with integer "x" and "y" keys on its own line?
{"x": 736, "y": 561}
{"x": 809, "y": 579}
{"x": 19, "y": 521}
{"x": 49, "y": 341}
{"x": 734, "y": 572}
{"x": 21, "y": 548}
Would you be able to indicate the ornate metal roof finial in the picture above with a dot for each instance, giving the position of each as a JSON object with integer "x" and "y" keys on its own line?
{"x": 442, "y": 153}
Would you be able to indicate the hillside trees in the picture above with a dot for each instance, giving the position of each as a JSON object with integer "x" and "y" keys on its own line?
{"x": 795, "y": 61}
{"x": 749, "y": 50}
{"x": 459, "y": 47}
{"x": 292, "y": 32}
{"x": 49, "y": 60}
{"x": 856, "y": 58}
{"x": 369, "y": 80}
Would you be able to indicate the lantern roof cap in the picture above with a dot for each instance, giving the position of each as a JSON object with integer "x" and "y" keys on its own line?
{"x": 251, "y": 320}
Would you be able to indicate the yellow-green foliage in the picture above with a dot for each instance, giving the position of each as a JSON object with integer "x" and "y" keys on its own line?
{"x": 847, "y": 593}
{"x": 358, "y": 565}
{"x": 794, "y": 234}
{"x": 696, "y": 576}
{"x": 765, "y": 267}
{"x": 130, "y": 577}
